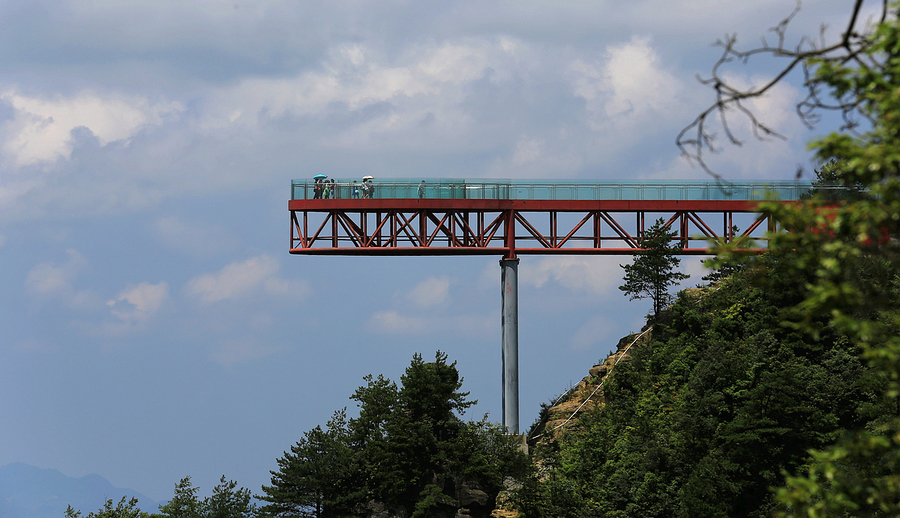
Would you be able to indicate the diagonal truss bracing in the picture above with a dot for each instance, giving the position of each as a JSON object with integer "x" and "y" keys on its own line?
{"x": 512, "y": 227}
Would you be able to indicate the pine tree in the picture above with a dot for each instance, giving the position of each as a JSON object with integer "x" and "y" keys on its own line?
{"x": 406, "y": 452}
{"x": 185, "y": 503}
{"x": 228, "y": 501}
{"x": 313, "y": 479}
{"x": 124, "y": 509}
{"x": 653, "y": 271}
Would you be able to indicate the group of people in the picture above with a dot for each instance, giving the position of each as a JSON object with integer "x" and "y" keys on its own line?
{"x": 325, "y": 189}
{"x": 365, "y": 189}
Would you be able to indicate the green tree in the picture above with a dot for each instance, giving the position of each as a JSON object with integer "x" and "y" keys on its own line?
{"x": 228, "y": 501}
{"x": 704, "y": 419}
{"x": 653, "y": 273}
{"x": 861, "y": 473}
{"x": 724, "y": 270}
{"x": 314, "y": 478}
{"x": 416, "y": 456}
{"x": 124, "y": 509}
{"x": 408, "y": 451}
{"x": 846, "y": 249}
{"x": 185, "y": 503}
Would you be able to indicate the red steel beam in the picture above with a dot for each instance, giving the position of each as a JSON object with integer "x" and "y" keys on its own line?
{"x": 407, "y": 204}
{"x": 506, "y": 227}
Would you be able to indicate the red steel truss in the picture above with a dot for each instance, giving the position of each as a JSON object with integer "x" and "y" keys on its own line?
{"x": 511, "y": 227}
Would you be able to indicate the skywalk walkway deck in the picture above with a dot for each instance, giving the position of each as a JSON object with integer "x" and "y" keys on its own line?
{"x": 502, "y": 217}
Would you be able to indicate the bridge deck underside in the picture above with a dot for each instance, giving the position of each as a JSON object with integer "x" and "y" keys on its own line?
{"x": 512, "y": 227}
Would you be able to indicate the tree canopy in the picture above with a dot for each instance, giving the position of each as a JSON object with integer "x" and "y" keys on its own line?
{"x": 126, "y": 508}
{"x": 707, "y": 416}
{"x": 408, "y": 451}
{"x": 845, "y": 249}
{"x": 653, "y": 272}
{"x": 226, "y": 501}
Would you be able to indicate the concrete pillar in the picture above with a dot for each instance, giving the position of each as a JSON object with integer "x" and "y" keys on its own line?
{"x": 509, "y": 277}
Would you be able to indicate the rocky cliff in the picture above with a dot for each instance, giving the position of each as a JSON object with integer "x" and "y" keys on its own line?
{"x": 585, "y": 396}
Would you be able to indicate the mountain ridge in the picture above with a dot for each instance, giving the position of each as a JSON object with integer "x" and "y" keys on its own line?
{"x": 31, "y": 492}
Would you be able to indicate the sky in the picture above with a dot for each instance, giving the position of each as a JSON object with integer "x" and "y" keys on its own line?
{"x": 152, "y": 322}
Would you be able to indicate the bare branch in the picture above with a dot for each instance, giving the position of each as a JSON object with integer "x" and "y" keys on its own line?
{"x": 696, "y": 140}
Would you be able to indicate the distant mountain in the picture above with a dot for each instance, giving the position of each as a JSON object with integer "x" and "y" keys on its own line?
{"x": 30, "y": 492}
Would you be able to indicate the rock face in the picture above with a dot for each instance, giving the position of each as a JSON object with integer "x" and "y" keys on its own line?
{"x": 585, "y": 395}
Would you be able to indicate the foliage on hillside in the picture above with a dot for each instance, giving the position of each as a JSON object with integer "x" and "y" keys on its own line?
{"x": 706, "y": 418}
{"x": 408, "y": 453}
{"x": 227, "y": 501}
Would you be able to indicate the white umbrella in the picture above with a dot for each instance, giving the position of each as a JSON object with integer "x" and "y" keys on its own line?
{"x": 368, "y": 178}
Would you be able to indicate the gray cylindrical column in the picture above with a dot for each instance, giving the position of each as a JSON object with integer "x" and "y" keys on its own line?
{"x": 509, "y": 277}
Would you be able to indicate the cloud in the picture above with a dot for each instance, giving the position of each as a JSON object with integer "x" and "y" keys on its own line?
{"x": 532, "y": 94}
{"x": 627, "y": 88}
{"x": 49, "y": 279}
{"x": 755, "y": 158}
{"x": 41, "y": 128}
{"x": 392, "y": 322}
{"x": 597, "y": 274}
{"x": 769, "y": 157}
{"x": 55, "y": 282}
{"x": 424, "y": 80}
{"x": 139, "y": 303}
{"x": 236, "y": 280}
{"x": 430, "y": 292}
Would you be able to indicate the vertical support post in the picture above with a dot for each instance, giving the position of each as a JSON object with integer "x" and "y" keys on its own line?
{"x": 334, "y": 229}
{"x": 509, "y": 277}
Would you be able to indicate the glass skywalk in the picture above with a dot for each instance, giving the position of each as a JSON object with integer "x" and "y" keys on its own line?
{"x": 492, "y": 189}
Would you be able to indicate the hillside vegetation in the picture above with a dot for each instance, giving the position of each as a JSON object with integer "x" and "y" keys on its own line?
{"x": 712, "y": 411}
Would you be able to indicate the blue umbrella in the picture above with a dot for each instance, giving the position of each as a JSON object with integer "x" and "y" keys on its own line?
{"x": 320, "y": 175}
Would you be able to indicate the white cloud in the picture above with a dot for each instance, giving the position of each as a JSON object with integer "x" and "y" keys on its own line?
{"x": 635, "y": 80}
{"x": 770, "y": 157}
{"x": 392, "y": 322}
{"x": 520, "y": 97}
{"x": 236, "y": 280}
{"x": 41, "y": 129}
{"x": 427, "y": 79}
{"x": 48, "y": 278}
{"x": 598, "y": 274}
{"x": 627, "y": 88}
{"x": 139, "y": 303}
{"x": 431, "y": 291}
{"x": 55, "y": 282}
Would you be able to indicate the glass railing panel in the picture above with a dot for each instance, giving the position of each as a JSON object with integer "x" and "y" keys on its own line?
{"x": 630, "y": 192}
{"x": 455, "y": 188}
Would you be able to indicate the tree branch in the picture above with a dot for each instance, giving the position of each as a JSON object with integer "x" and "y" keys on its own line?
{"x": 696, "y": 140}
